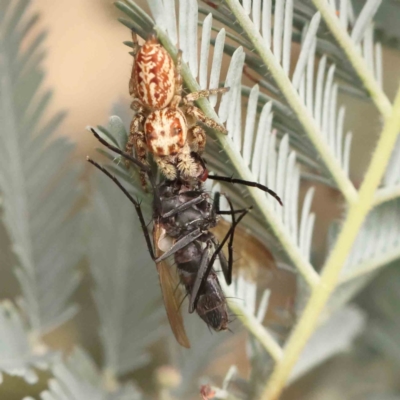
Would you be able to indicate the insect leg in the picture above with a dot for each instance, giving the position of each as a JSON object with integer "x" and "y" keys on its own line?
{"x": 226, "y": 265}
{"x": 246, "y": 183}
{"x": 200, "y": 278}
{"x": 133, "y": 201}
{"x": 216, "y": 205}
{"x": 228, "y": 274}
{"x": 180, "y": 244}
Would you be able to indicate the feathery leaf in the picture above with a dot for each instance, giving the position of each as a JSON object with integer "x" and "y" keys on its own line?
{"x": 38, "y": 191}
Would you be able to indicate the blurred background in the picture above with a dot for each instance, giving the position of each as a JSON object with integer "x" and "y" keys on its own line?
{"x": 88, "y": 67}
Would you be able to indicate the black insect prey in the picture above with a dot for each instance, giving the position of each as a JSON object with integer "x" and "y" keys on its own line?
{"x": 183, "y": 214}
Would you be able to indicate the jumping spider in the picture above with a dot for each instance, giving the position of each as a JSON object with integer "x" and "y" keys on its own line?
{"x": 165, "y": 122}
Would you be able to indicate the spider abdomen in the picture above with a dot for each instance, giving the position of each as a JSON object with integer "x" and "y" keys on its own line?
{"x": 154, "y": 75}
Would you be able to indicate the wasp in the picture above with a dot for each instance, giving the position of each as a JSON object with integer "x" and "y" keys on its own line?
{"x": 183, "y": 214}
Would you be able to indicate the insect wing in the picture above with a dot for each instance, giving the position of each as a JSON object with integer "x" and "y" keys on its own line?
{"x": 168, "y": 289}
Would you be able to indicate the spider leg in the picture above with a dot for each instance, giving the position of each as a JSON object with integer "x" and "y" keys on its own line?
{"x": 199, "y": 115}
{"x": 166, "y": 165}
{"x": 135, "y": 49}
{"x": 203, "y": 93}
{"x": 137, "y": 140}
{"x": 187, "y": 165}
{"x": 197, "y": 139}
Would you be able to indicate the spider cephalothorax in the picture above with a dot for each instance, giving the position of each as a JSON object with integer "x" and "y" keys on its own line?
{"x": 165, "y": 123}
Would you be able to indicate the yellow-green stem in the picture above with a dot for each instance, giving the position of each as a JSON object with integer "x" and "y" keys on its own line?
{"x": 354, "y": 57}
{"x": 337, "y": 258}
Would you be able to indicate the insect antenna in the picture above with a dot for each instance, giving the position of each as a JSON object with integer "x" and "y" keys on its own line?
{"x": 246, "y": 183}
{"x": 133, "y": 201}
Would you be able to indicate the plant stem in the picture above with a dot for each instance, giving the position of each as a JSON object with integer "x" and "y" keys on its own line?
{"x": 288, "y": 245}
{"x": 295, "y": 102}
{"x": 330, "y": 275}
{"x": 354, "y": 56}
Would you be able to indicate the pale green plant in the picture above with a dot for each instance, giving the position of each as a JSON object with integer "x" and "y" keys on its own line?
{"x": 292, "y": 129}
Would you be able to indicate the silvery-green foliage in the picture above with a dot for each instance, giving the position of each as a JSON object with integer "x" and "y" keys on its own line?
{"x": 339, "y": 331}
{"x": 126, "y": 289}
{"x": 266, "y": 143}
{"x": 77, "y": 378}
{"x": 38, "y": 191}
{"x": 204, "y": 348}
{"x": 17, "y": 357}
{"x": 382, "y": 300}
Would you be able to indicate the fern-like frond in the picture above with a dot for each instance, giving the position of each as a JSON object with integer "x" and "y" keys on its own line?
{"x": 16, "y": 354}
{"x": 77, "y": 378}
{"x": 38, "y": 190}
{"x": 126, "y": 290}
